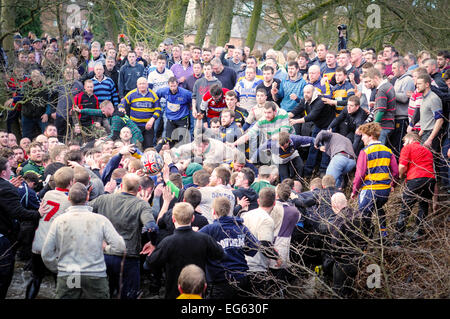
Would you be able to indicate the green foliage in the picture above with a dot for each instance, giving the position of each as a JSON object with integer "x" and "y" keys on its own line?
{"x": 23, "y": 13}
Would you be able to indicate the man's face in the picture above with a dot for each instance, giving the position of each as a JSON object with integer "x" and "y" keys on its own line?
{"x": 309, "y": 48}
{"x": 44, "y": 141}
{"x": 251, "y": 63}
{"x": 340, "y": 77}
{"x": 230, "y": 101}
{"x": 36, "y": 154}
{"x": 217, "y": 68}
{"x": 343, "y": 60}
{"x": 95, "y": 52}
{"x": 7, "y": 173}
{"x": 250, "y": 74}
{"x": 237, "y": 167}
{"x": 37, "y": 46}
{"x": 161, "y": 64}
{"x": 397, "y": 70}
{"x": 301, "y": 62}
{"x": 112, "y": 53}
{"x": 110, "y": 63}
{"x": 24, "y": 143}
{"x": 23, "y": 58}
{"x": 292, "y": 71}
{"x": 267, "y": 75}
{"x": 218, "y": 98}
{"x": 369, "y": 58}
{"x": 239, "y": 180}
{"x": 387, "y": 53}
{"x": 52, "y": 142}
{"x": 108, "y": 110}
{"x": 18, "y": 154}
{"x": 448, "y": 83}
{"x": 4, "y": 139}
{"x": 308, "y": 93}
{"x": 321, "y": 52}
{"x": 215, "y": 126}
{"x": 125, "y": 134}
{"x": 226, "y": 119}
{"x": 261, "y": 98}
{"x": 314, "y": 74}
{"x": 367, "y": 83}
{"x": 269, "y": 114}
{"x": 441, "y": 62}
{"x": 330, "y": 60}
{"x": 355, "y": 56}
{"x": 206, "y": 56}
{"x": 237, "y": 54}
{"x": 196, "y": 54}
{"x": 132, "y": 58}
{"x": 89, "y": 87}
{"x": 430, "y": 68}
{"x": 12, "y": 140}
{"x": 185, "y": 56}
{"x": 197, "y": 69}
{"x": 173, "y": 87}
{"x": 51, "y": 131}
{"x": 31, "y": 58}
{"x": 142, "y": 85}
{"x": 108, "y": 45}
{"x": 352, "y": 107}
{"x": 99, "y": 70}
{"x": 176, "y": 52}
{"x": 213, "y": 179}
{"x": 421, "y": 85}
{"x": 139, "y": 51}
{"x": 207, "y": 69}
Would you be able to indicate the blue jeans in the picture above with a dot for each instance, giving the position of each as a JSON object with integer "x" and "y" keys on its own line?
{"x": 384, "y": 135}
{"x": 339, "y": 166}
{"x": 371, "y": 201}
{"x": 131, "y": 276}
{"x": 312, "y": 157}
{"x": 29, "y": 124}
{"x": 158, "y": 124}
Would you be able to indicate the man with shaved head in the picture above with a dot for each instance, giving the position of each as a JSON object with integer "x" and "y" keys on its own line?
{"x": 357, "y": 59}
{"x": 128, "y": 212}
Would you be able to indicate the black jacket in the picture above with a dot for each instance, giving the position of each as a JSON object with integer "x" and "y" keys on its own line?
{"x": 182, "y": 248}
{"x": 321, "y": 114}
{"x": 250, "y": 194}
{"x": 346, "y": 240}
{"x": 12, "y": 212}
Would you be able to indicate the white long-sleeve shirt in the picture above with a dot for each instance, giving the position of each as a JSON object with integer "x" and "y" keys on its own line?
{"x": 74, "y": 243}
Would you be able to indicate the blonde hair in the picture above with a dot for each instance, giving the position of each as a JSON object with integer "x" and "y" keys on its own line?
{"x": 221, "y": 206}
{"x": 183, "y": 212}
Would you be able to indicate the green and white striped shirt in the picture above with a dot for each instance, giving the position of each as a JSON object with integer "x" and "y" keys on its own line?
{"x": 268, "y": 128}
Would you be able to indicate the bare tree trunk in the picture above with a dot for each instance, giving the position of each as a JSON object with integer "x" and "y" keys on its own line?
{"x": 7, "y": 25}
{"x": 226, "y": 19}
{"x": 205, "y": 20}
{"x": 254, "y": 23}
{"x": 175, "y": 20}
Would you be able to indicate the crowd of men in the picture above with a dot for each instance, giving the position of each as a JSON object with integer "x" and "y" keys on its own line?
{"x": 259, "y": 151}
